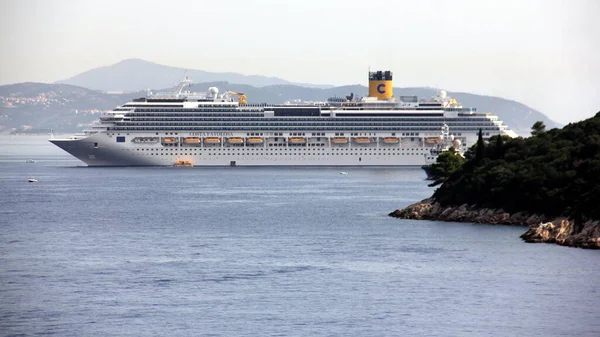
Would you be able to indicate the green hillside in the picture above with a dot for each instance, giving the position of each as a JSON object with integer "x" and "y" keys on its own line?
{"x": 556, "y": 173}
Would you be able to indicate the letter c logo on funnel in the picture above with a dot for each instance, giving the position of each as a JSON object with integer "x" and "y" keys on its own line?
{"x": 381, "y": 88}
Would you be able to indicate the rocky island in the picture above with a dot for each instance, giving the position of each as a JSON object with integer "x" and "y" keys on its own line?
{"x": 549, "y": 182}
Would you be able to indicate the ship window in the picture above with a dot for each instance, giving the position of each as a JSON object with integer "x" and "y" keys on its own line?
{"x": 120, "y": 139}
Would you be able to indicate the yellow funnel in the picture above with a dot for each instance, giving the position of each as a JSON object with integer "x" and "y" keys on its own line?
{"x": 380, "y": 84}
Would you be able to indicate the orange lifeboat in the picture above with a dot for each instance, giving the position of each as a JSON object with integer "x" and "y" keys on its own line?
{"x": 297, "y": 140}
{"x": 433, "y": 140}
{"x": 340, "y": 140}
{"x": 212, "y": 140}
{"x": 191, "y": 140}
{"x": 235, "y": 140}
{"x": 255, "y": 140}
{"x": 362, "y": 140}
{"x": 391, "y": 140}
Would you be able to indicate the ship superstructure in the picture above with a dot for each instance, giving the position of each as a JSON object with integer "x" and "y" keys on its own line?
{"x": 215, "y": 129}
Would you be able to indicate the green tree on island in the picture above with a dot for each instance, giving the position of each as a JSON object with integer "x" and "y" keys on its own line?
{"x": 554, "y": 172}
{"x": 480, "y": 148}
{"x": 447, "y": 163}
{"x": 538, "y": 128}
{"x": 499, "y": 141}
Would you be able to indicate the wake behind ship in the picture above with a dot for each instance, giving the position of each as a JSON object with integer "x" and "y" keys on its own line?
{"x": 212, "y": 129}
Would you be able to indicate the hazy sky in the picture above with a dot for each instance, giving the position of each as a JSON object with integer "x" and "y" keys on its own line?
{"x": 544, "y": 53}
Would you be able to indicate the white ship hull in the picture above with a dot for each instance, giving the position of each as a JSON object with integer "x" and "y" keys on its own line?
{"x": 102, "y": 150}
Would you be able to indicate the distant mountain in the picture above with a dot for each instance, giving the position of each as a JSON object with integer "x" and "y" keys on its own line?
{"x": 135, "y": 75}
{"x": 67, "y": 108}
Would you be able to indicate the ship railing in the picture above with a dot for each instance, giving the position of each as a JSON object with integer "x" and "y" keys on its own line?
{"x": 178, "y": 95}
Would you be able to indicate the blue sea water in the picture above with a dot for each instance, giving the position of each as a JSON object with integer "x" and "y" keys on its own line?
{"x": 265, "y": 252}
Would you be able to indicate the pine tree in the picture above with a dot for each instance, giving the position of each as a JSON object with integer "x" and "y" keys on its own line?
{"x": 480, "y": 150}
{"x": 538, "y": 128}
{"x": 499, "y": 142}
{"x": 498, "y": 150}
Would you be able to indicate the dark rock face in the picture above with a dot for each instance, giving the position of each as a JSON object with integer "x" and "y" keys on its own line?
{"x": 542, "y": 228}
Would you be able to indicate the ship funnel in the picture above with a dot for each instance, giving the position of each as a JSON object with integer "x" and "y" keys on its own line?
{"x": 380, "y": 84}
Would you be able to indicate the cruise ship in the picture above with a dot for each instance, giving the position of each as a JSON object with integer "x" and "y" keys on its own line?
{"x": 182, "y": 128}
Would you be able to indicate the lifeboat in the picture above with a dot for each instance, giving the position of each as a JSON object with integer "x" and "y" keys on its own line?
{"x": 212, "y": 140}
{"x": 339, "y": 140}
{"x": 169, "y": 140}
{"x": 184, "y": 163}
{"x": 235, "y": 140}
{"x": 145, "y": 140}
{"x": 362, "y": 140}
{"x": 255, "y": 140}
{"x": 192, "y": 140}
{"x": 297, "y": 140}
{"x": 391, "y": 140}
{"x": 433, "y": 140}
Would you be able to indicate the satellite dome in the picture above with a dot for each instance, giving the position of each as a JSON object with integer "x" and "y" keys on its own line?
{"x": 456, "y": 143}
{"x": 213, "y": 91}
{"x": 442, "y": 94}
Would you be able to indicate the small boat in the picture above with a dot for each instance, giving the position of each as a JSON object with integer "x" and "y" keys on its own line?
{"x": 391, "y": 140}
{"x": 32, "y": 180}
{"x": 212, "y": 140}
{"x": 297, "y": 140}
{"x": 183, "y": 163}
{"x": 343, "y": 172}
{"x": 254, "y": 140}
{"x": 31, "y": 161}
{"x": 169, "y": 140}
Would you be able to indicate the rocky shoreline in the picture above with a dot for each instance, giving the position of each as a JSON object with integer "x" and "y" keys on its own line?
{"x": 541, "y": 228}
